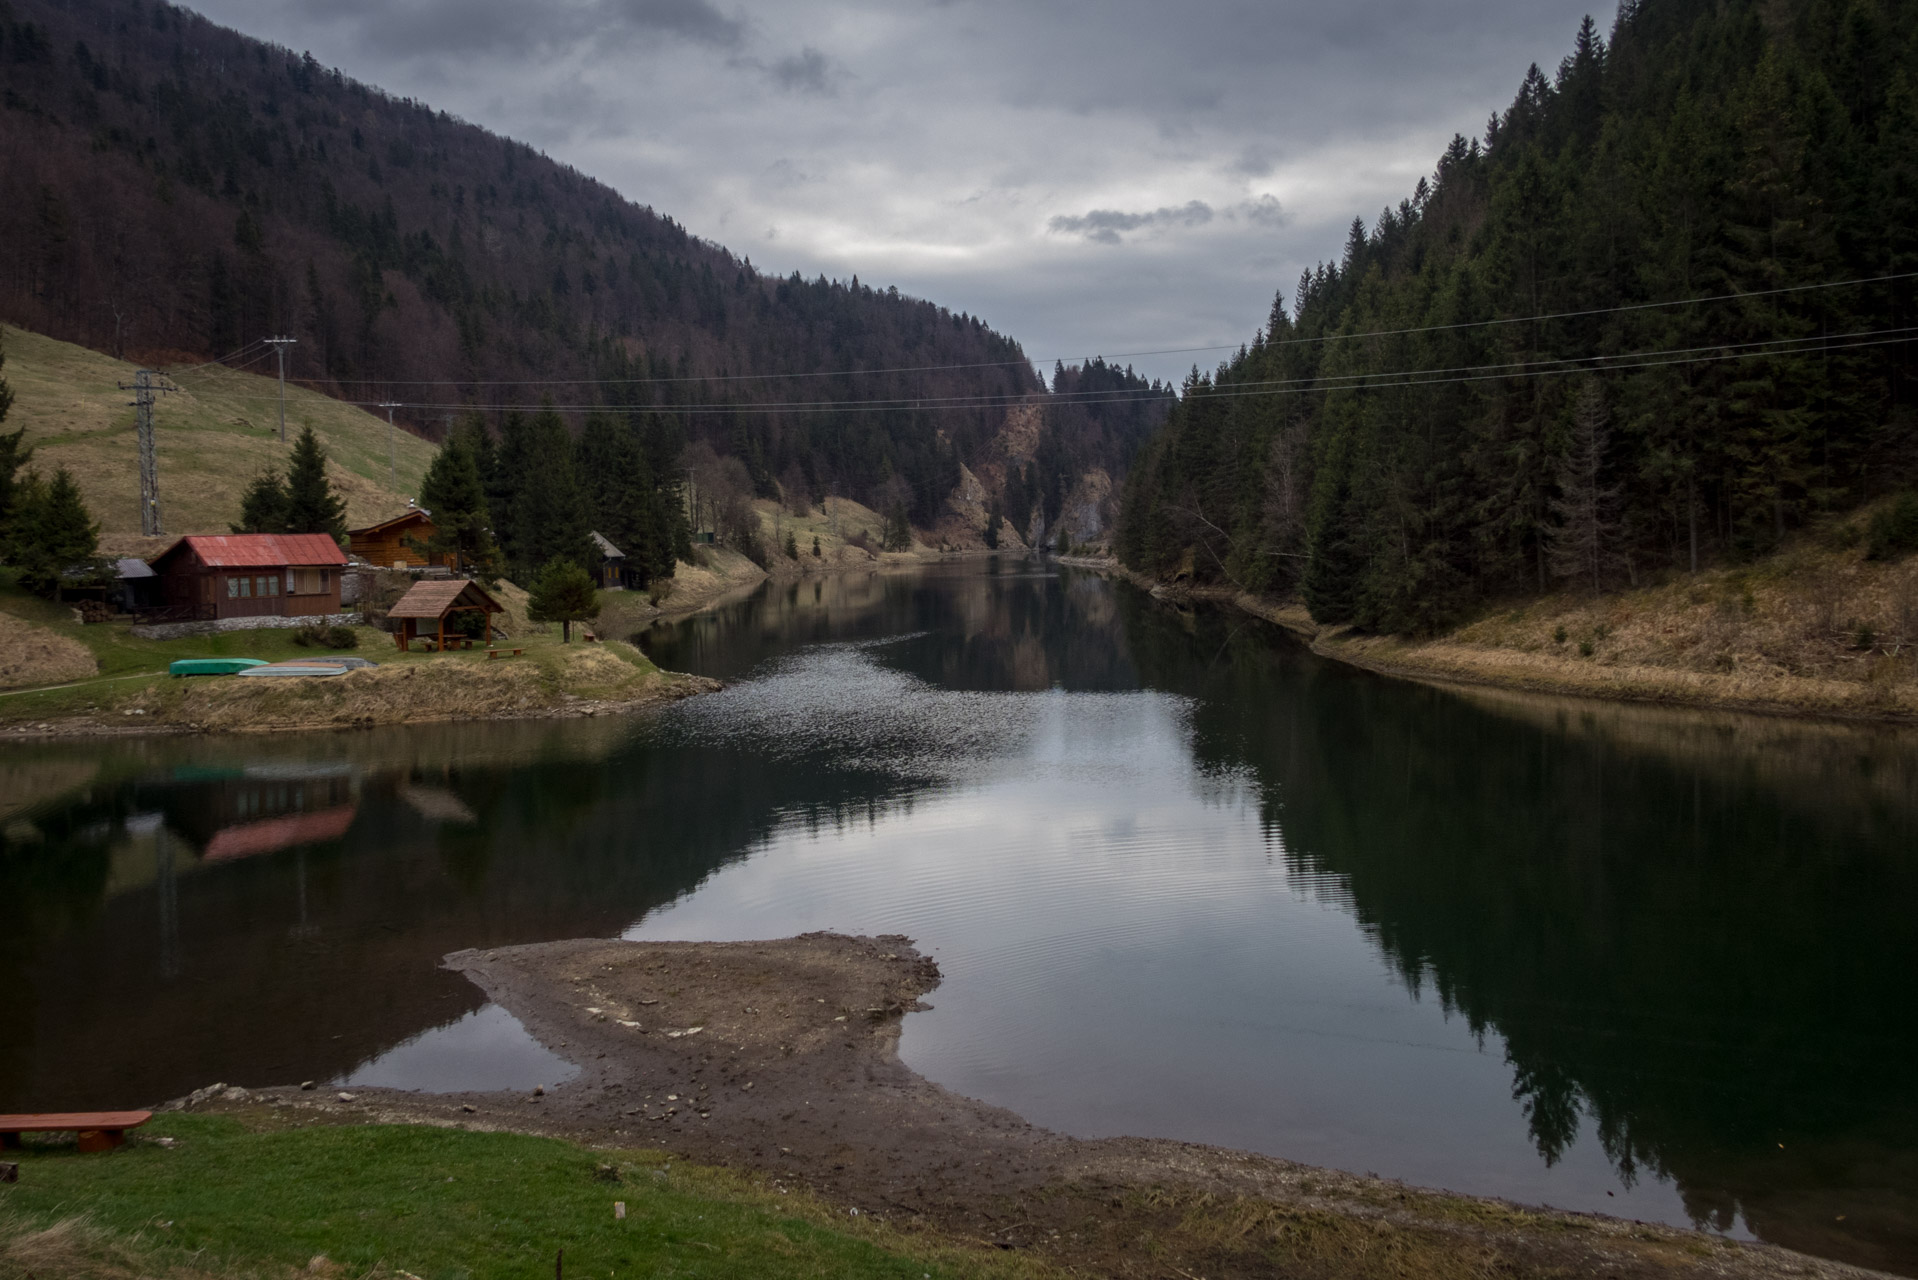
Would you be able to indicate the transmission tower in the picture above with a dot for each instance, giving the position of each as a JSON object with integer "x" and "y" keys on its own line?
{"x": 391, "y": 470}
{"x": 144, "y": 388}
{"x": 279, "y": 346}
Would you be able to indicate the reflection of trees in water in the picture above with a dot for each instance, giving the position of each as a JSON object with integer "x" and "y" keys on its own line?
{"x": 1705, "y": 959}
{"x": 1015, "y": 630}
{"x": 302, "y": 962}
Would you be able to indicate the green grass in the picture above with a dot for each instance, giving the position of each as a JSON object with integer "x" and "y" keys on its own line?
{"x": 219, "y": 431}
{"x": 441, "y": 1204}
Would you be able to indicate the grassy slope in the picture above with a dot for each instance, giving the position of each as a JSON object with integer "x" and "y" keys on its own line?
{"x": 217, "y": 433}
{"x": 1815, "y": 629}
{"x": 437, "y": 1204}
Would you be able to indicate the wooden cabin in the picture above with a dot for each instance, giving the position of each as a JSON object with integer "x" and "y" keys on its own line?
{"x": 248, "y": 575}
{"x": 612, "y": 564}
{"x": 432, "y": 602}
{"x": 390, "y": 543}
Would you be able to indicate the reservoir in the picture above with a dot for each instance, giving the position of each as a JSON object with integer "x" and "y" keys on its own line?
{"x": 1184, "y": 879}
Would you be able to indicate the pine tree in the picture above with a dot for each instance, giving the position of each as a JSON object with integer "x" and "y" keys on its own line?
{"x": 1581, "y": 546}
{"x": 551, "y": 516}
{"x": 563, "y": 593}
{"x": 14, "y": 454}
{"x": 898, "y": 533}
{"x": 993, "y": 518}
{"x": 311, "y": 504}
{"x": 452, "y": 493}
{"x": 53, "y": 536}
{"x": 263, "y": 507}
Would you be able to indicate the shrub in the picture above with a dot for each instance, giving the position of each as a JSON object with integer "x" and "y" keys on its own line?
{"x": 1894, "y": 531}
{"x": 315, "y": 636}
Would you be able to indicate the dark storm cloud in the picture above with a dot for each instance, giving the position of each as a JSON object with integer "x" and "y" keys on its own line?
{"x": 998, "y": 156}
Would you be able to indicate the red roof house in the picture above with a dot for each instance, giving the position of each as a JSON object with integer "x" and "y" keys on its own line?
{"x": 249, "y": 575}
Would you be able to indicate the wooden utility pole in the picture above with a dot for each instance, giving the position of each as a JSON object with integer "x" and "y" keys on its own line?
{"x": 144, "y": 389}
{"x": 279, "y": 346}
{"x": 391, "y": 472}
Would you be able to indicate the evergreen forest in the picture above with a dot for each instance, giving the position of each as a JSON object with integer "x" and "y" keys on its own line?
{"x": 1660, "y": 314}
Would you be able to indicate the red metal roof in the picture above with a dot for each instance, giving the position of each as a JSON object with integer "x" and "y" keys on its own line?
{"x": 260, "y": 550}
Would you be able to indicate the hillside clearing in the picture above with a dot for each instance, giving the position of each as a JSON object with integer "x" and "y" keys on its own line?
{"x": 215, "y": 434}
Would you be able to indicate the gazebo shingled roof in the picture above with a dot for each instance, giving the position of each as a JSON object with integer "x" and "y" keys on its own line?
{"x": 435, "y": 598}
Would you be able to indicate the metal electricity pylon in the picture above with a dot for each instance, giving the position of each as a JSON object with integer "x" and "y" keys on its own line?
{"x": 144, "y": 388}
{"x": 279, "y": 346}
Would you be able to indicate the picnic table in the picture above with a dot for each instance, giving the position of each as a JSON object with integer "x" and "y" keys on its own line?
{"x": 98, "y": 1130}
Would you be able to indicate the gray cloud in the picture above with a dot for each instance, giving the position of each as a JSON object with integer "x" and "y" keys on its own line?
{"x": 807, "y": 71}
{"x": 1109, "y": 226}
{"x": 691, "y": 19}
{"x": 975, "y": 153}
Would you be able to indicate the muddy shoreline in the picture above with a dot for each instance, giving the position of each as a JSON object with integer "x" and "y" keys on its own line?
{"x": 780, "y": 1059}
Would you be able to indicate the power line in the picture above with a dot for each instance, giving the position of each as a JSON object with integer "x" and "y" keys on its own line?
{"x": 1811, "y": 344}
{"x": 1164, "y": 351}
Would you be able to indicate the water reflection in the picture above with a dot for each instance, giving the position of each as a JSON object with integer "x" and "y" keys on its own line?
{"x": 1185, "y": 879}
{"x": 479, "y": 1052}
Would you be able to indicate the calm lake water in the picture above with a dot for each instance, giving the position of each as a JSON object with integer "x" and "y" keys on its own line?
{"x": 1184, "y": 880}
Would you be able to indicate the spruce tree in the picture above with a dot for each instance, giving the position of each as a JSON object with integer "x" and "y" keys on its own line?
{"x": 551, "y": 517}
{"x": 452, "y": 494}
{"x": 898, "y": 532}
{"x": 53, "y": 535}
{"x": 1581, "y": 545}
{"x": 14, "y": 454}
{"x": 263, "y": 507}
{"x": 311, "y": 504}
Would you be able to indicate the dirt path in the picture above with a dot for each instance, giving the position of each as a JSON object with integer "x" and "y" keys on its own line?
{"x": 780, "y": 1058}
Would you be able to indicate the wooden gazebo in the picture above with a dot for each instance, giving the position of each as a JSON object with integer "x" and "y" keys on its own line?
{"x": 434, "y": 600}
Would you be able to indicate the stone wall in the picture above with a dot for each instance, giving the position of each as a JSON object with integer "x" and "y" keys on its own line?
{"x": 264, "y": 622}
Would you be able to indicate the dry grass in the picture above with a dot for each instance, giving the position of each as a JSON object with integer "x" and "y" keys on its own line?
{"x": 75, "y": 1249}
{"x": 1816, "y": 629}
{"x": 1308, "y": 1241}
{"x": 31, "y": 655}
{"x": 216, "y": 434}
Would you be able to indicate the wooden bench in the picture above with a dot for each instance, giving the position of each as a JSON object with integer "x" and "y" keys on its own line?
{"x": 501, "y": 653}
{"x": 98, "y": 1130}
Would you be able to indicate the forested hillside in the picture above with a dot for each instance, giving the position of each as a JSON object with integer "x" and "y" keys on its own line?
{"x": 1661, "y": 314}
{"x": 175, "y": 190}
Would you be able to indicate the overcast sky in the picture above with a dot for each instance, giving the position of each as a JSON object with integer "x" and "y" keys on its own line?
{"x": 1089, "y": 178}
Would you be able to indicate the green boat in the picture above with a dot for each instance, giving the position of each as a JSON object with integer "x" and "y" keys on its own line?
{"x": 212, "y": 666}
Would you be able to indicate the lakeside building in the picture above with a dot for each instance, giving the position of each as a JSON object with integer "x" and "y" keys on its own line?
{"x": 248, "y": 575}
{"x": 396, "y": 543}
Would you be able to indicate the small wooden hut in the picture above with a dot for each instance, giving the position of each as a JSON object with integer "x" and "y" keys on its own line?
{"x": 434, "y": 601}
{"x": 613, "y": 570}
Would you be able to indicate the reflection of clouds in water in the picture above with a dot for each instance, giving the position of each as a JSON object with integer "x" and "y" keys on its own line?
{"x": 487, "y": 1049}
{"x": 836, "y": 702}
